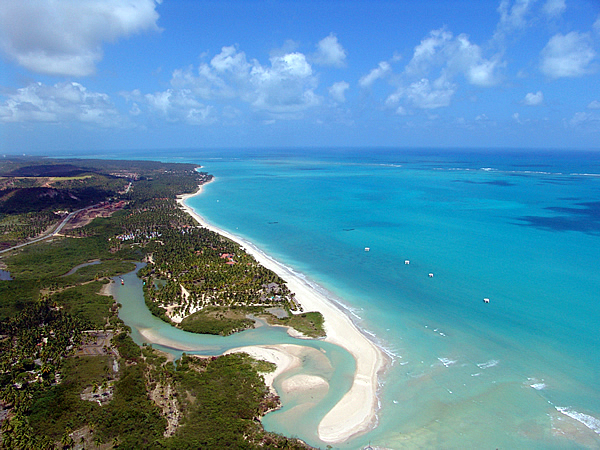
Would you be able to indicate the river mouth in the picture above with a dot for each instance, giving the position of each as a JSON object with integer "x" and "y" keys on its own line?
{"x": 328, "y": 362}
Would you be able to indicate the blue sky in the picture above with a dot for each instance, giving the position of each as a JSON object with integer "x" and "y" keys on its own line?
{"x": 87, "y": 75}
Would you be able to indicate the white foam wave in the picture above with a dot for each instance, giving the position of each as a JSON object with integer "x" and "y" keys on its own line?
{"x": 585, "y": 174}
{"x": 517, "y": 172}
{"x": 589, "y": 421}
{"x": 488, "y": 364}
{"x": 447, "y": 362}
{"x": 538, "y": 386}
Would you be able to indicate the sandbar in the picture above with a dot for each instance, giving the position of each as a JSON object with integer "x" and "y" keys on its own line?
{"x": 280, "y": 355}
{"x": 304, "y": 383}
{"x": 356, "y": 412}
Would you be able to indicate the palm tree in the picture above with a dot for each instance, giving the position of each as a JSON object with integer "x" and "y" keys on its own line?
{"x": 66, "y": 440}
{"x": 97, "y": 440}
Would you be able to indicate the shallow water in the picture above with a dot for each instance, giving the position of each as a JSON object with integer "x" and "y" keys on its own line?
{"x": 519, "y": 228}
{"x": 79, "y": 266}
{"x": 330, "y": 362}
{"x": 5, "y": 275}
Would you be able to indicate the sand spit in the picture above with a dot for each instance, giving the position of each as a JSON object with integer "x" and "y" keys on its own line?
{"x": 356, "y": 411}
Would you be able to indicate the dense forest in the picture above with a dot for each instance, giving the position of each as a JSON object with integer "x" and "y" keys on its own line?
{"x": 70, "y": 375}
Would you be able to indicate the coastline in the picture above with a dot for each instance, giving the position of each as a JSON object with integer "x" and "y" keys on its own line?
{"x": 356, "y": 412}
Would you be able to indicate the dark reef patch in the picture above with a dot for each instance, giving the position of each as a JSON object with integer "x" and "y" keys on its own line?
{"x": 584, "y": 218}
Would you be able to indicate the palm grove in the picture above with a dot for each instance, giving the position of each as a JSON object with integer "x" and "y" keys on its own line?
{"x": 70, "y": 375}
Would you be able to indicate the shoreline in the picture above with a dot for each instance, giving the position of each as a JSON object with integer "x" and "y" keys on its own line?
{"x": 356, "y": 412}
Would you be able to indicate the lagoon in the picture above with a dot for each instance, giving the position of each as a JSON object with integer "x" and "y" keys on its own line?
{"x": 338, "y": 370}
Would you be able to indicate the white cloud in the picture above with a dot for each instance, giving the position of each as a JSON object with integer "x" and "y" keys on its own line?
{"x": 330, "y": 52}
{"x": 65, "y": 37}
{"x": 429, "y": 53}
{"x": 338, "y": 91}
{"x": 512, "y": 18}
{"x": 135, "y": 110}
{"x": 597, "y": 24}
{"x": 454, "y": 55}
{"x": 283, "y": 89}
{"x": 61, "y": 103}
{"x": 382, "y": 70}
{"x": 594, "y": 104}
{"x": 179, "y": 105}
{"x": 423, "y": 95}
{"x": 587, "y": 121}
{"x": 287, "y": 86}
{"x": 226, "y": 76}
{"x": 568, "y": 55}
{"x": 532, "y": 99}
{"x": 554, "y": 8}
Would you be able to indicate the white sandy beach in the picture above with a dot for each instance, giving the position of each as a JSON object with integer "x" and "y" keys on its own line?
{"x": 280, "y": 355}
{"x": 356, "y": 411}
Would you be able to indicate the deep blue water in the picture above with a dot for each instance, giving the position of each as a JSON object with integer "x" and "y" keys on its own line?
{"x": 519, "y": 228}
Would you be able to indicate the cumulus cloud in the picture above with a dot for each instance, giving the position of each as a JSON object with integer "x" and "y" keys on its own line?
{"x": 585, "y": 121}
{"x": 287, "y": 86}
{"x": 65, "y": 37}
{"x": 429, "y": 52}
{"x": 512, "y": 17}
{"x": 454, "y": 55}
{"x": 330, "y": 52}
{"x": 283, "y": 89}
{"x": 226, "y": 76}
{"x": 442, "y": 57}
{"x": 568, "y": 55}
{"x": 382, "y": 70}
{"x": 179, "y": 105}
{"x": 61, "y": 103}
{"x": 554, "y": 8}
{"x": 338, "y": 91}
{"x": 532, "y": 99}
{"x": 594, "y": 104}
{"x": 424, "y": 95}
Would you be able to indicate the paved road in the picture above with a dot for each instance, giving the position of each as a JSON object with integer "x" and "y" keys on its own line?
{"x": 54, "y": 233}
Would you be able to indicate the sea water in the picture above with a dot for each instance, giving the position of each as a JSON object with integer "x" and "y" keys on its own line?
{"x": 519, "y": 228}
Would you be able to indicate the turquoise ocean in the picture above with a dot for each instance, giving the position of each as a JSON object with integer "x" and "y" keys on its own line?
{"x": 520, "y": 228}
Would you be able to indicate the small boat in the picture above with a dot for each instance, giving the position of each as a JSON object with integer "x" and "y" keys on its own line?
{"x": 486, "y": 300}
{"x": 406, "y": 261}
{"x": 430, "y": 275}
{"x": 367, "y": 249}
{"x": 122, "y": 282}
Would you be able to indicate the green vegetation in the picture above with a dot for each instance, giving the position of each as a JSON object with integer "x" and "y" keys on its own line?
{"x": 212, "y": 320}
{"x": 84, "y": 301}
{"x": 15, "y": 296}
{"x": 35, "y": 343}
{"x": 64, "y": 384}
{"x": 310, "y": 323}
{"x": 223, "y": 398}
{"x": 61, "y": 407}
{"x": 16, "y": 228}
